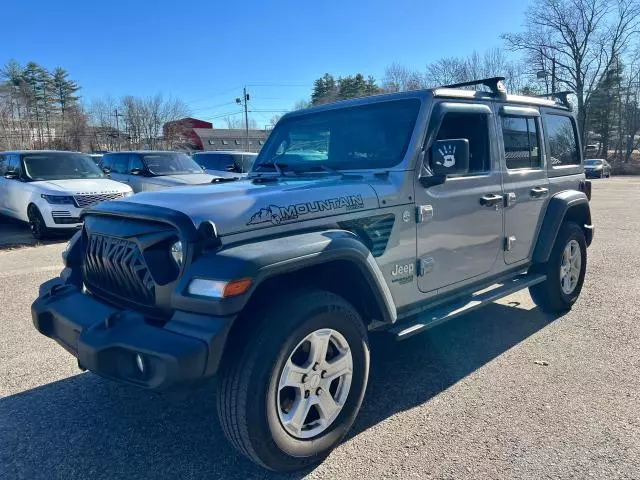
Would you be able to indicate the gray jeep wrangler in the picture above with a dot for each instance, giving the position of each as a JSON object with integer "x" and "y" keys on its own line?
{"x": 389, "y": 213}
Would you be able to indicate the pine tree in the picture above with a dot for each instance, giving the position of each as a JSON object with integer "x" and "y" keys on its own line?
{"x": 324, "y": 90}
{"x": 64, "y": 91}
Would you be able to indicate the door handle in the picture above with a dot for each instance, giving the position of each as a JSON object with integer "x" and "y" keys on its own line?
{"x": 491, "y": 200}
{"x": 539, "y": 192}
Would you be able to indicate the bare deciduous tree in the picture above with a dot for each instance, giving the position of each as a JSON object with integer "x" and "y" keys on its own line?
{"x": 581, "y": 37}
{"x": 398, "y": 78}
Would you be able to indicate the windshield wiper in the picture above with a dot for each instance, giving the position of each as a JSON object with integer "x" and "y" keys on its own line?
{"x": 278, "y": 167}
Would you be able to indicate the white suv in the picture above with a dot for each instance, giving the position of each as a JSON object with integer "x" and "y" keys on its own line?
{"x": 49, "y": 189}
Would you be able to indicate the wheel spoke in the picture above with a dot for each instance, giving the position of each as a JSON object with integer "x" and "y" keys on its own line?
{"x": 319, "y": 346}
{"x": 338, "y": 367}
{"x": 292, "y": 375}
{"x": 298, "y": 414}
{"x": 327, "y": 406}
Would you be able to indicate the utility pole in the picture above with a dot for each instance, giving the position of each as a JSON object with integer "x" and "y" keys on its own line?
{"x": 244, "y": 103}
{"x": 118, "y": 127}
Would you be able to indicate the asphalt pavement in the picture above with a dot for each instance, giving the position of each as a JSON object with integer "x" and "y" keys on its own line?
{"x": 504, "y": 392}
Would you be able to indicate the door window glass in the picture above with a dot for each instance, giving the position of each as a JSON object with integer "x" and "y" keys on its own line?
{"x": 120, "y": 164}
{"x": 135, "y": 162}
{"x": 563, "y": 146}
{"x": 475, "y": 128}
{"x": 3, "y": 164}
{"x": 521, "y": 143}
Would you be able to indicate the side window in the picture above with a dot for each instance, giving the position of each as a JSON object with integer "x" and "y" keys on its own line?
{"x": 135, "y": 162}
{"x": 13, "y": 164}
{"x": 475, "y": 128}
{"x": 521, "y": 142}
{"x": 107, "y": 161}
{"x": 563, "y": 147}
{"x": 3, "y": 165}
{"x": 120, "y": 164}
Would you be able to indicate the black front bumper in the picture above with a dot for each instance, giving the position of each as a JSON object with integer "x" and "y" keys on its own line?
{"x": 107, "y": 340}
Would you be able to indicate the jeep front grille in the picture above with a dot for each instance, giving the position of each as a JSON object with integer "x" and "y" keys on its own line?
{"x": 117, "y": 267}
{"x": 84, "y": 201}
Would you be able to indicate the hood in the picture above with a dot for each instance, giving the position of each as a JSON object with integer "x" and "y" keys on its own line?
{"x": 79, "y": 186}
{"x": 174, "y": 180}
{"x": 225, "y": 174}
{"x": 244, "y": 205}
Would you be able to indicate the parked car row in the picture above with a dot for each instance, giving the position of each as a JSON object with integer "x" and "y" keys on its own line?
{"x": 49, "y": 189}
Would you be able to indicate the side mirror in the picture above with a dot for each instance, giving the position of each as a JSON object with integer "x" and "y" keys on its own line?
{"x": 11, "y": 176}
{"x": 135, "y": 171}
{"x": 106, "y": 170}
{"x": 450, "y": 157}
{"x": 230, "y": 168}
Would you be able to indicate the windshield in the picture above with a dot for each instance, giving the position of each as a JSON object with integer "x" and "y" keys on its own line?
{"x": 370, "y": 136}
{"x": 226, "y": 161}
{"x": 170, "y": 164}
{"x": 59, "y": 166}
{"x": 593, "y": 162}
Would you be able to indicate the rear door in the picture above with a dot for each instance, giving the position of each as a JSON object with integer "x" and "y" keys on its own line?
{"x": 136, "y": 164}
{"x": 526, "y": 185}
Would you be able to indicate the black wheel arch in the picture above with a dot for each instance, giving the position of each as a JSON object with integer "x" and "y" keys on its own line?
{"x": 334, "y": 260}
{"x": 571, "y": 205}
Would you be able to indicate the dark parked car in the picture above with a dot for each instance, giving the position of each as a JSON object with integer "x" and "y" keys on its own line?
{"x": 225, "y": 164}
{"x": 597, "y": 168}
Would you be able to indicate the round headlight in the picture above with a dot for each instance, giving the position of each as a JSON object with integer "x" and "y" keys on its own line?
{"x": 176, "y": 252}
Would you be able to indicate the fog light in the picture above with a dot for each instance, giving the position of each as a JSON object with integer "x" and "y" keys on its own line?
{"x": 140, "y": 364}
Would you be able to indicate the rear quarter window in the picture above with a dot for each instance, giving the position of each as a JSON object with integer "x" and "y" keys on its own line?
{"x": 562, "y": 136}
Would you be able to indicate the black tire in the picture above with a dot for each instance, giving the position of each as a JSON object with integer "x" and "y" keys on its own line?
{"x": 37, "y": 226}
{"x": 247, "y": 404}
{"x": 549, "y": 295}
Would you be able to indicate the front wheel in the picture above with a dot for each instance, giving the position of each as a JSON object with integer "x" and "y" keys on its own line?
{"x": 296, "y": 383}
{"x": 36, "y": 223}
{"x": 565, "y": 271}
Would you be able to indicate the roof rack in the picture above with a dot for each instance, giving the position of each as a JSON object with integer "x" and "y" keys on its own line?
{"x": 559, "y": 97}
{"x": 494, "y": 83}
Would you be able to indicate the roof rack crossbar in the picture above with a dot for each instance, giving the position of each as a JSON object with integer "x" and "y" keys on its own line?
{"x": 561, "y": 97}
{"x": 494, "y": 83}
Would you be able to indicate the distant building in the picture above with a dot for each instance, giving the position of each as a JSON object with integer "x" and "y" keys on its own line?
{"x": 230, "y": 139}
{"x": 195, "y": 134}
{"x": 182, "y": 131}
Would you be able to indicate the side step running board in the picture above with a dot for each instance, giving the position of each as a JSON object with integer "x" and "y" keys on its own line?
{"x": 434, "y": 317}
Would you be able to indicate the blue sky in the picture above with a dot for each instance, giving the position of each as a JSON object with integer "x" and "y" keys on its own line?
{"x": 205, "y": 51}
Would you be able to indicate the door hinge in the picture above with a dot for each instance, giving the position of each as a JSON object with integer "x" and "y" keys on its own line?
{"x": 425, "y": 266}
{"x": 509, "y": 242}
{"x": 510, "y": 199}
{"x": 424, "y": 213}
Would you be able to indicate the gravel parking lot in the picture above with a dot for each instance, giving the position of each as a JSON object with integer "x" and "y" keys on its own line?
{"x": 505, "y": 392}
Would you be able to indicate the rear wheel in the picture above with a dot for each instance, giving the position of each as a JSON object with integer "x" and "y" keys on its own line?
{"x": 295, "y": 386}
{"x": 36, "y": 223}
{"x": 565, "y": 271}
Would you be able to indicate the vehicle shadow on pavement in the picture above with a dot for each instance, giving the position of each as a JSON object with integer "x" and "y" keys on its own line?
{"x": 87, "y": 427}
{"x": 409, "y": 373}
{"x": 15, "y": 234}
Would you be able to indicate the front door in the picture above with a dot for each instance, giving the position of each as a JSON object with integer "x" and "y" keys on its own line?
{"x": 118, "y": 165}
{"x": 460, "y": 226}
{"x": 526, "y": 185}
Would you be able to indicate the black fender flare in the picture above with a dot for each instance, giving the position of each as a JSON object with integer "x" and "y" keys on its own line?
{"x": 570, "y": 203}
{"x": 263, "y": 259}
